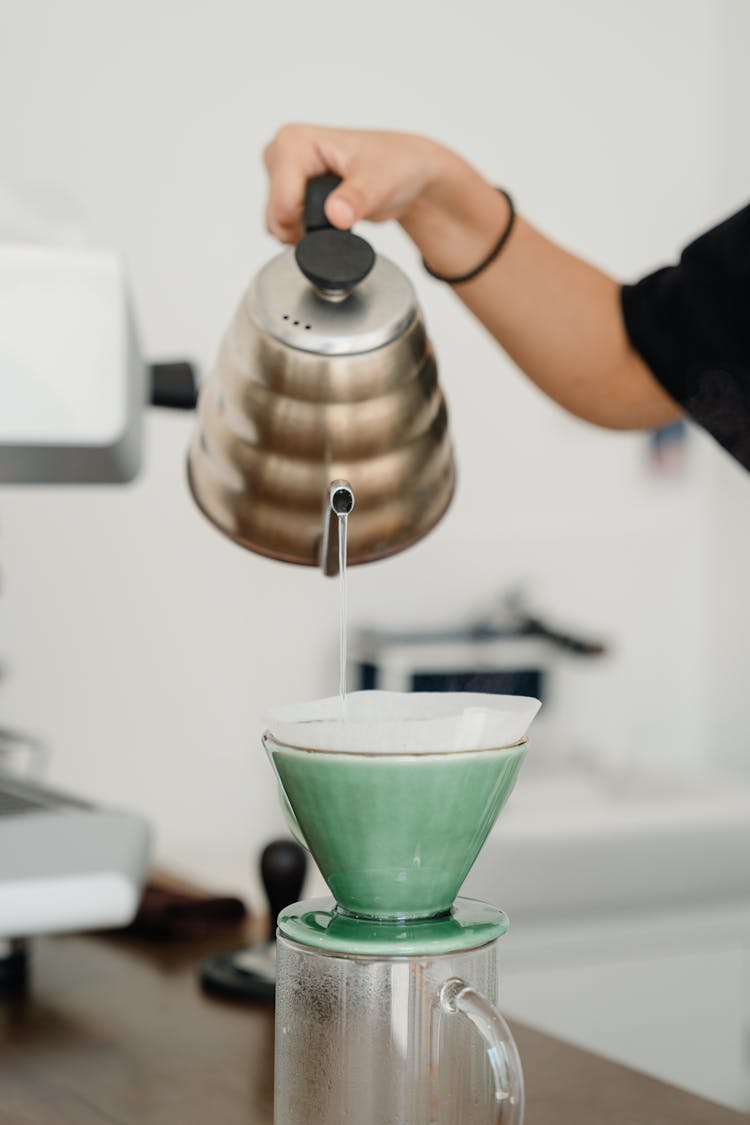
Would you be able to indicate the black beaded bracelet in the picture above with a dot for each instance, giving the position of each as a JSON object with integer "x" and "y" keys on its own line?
{"x": 490, "y": 257}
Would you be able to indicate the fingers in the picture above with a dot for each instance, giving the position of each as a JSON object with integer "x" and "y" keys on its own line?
{"x": 356, "y": 198}
{"x": 298, "y": 152}
{"x": 291, "y": 159}
{"x": 382, "y": 174}
{"x": 340, "y": 211}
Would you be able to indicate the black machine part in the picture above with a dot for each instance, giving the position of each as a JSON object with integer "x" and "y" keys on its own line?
{"x": 283, "y": 865}
{"x": 174, "y": 385}
{"x": 248, "y": 974}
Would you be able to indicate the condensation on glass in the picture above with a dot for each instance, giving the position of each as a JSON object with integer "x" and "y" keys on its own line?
{"x": 393, "y": 1041}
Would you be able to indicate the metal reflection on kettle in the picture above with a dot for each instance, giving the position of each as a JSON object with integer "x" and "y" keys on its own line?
{"x": 325, "y": 374}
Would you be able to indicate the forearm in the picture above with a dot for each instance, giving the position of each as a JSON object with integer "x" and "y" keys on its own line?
{"x": 558, "y": 317}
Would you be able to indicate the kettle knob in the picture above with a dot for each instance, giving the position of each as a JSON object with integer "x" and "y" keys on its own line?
{"x": 335, "y": 261}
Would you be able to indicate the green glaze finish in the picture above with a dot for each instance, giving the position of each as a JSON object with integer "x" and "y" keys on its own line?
{"x": 395, "y": 835}
{"x": 318, "y": 923}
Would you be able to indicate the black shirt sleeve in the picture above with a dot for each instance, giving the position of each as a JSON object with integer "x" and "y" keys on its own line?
{"x": 691, "y": 325}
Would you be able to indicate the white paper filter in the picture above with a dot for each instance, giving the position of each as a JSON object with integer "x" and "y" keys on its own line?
{"x": 392, "y": 722}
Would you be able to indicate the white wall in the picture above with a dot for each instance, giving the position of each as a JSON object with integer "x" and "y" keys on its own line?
{"x": 143, "y": 646}
{"x": 729, "y": 527}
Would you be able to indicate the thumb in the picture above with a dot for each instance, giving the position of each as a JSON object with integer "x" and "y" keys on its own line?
{"x": 356, "y": 198}
{"x": 339, "y": 210}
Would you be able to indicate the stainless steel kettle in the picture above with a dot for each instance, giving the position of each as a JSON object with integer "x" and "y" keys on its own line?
{"x": 325, "y": 374}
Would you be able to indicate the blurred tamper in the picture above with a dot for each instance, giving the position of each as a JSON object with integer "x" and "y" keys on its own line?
{"x": 249, "y": 973}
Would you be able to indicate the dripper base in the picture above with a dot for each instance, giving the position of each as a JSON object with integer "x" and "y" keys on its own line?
{"x": 320, "y": 924}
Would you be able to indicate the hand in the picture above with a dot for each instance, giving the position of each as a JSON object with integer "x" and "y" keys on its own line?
{"x": 556, "y": 316}
{"x": 385, "y": 175}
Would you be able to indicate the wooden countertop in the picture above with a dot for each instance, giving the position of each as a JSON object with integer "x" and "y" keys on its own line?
{"x": 117, "y": 1031}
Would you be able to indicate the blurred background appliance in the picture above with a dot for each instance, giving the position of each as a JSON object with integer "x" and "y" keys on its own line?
{"x": 64, "y": 865}
{"x": 249, "y": 973}
{"x": 509, "y": 650}
{"x": 73, "y": 382}
{"x": 72, "y": 389}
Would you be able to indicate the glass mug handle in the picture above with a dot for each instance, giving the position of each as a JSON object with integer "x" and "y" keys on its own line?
{"x": 456, "y": 996}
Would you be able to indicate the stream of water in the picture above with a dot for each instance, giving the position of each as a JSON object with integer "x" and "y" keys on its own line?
{"x": 343, "y": 531}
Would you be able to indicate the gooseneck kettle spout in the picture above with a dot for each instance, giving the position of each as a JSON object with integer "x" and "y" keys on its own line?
{"x": 339, "y": 502}
{"x": 325, "y": 374}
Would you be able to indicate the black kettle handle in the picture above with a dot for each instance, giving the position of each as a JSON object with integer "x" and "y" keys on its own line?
{"x": 334, "y": 260}
{"x": 316, "y": 193}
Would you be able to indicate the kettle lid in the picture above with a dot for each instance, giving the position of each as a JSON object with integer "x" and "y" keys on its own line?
{"x": 331, "y": 295}
{"x": 287, "y": 306}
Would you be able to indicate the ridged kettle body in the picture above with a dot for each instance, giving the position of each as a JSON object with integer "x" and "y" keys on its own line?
{"x": 311, "y": 387}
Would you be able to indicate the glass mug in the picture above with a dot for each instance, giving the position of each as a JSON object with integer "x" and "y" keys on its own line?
{"x": 376, "y": 1040}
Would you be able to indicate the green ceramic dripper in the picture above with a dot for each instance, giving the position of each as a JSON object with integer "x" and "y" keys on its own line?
{"x": 394, "y": 824}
